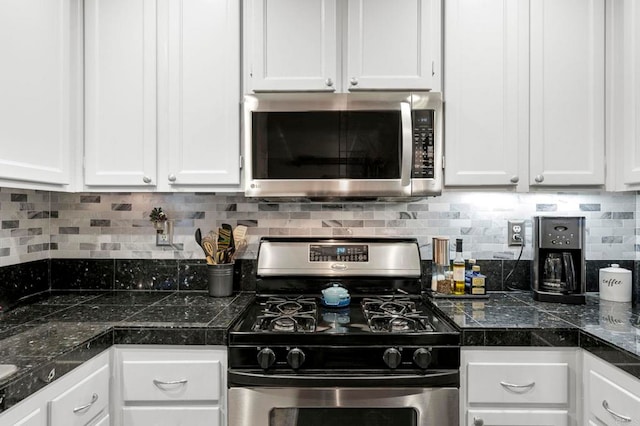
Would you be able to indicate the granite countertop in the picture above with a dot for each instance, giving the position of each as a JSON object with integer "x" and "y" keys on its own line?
{"x": 61, "y": 331}
{"x": 50, "y": 337}
{"x": 610, "y": 330}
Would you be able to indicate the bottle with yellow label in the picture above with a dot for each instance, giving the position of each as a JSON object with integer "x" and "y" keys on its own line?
{"x": 458, "y": 269}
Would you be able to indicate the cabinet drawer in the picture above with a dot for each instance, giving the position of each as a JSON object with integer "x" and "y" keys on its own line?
{"x": 171, "y": 416}
{"x": 171, "y": 380}
{"x": 517, "y": 417}
{"x": 82, "y": 402}
{"x": 517, "y": 383}
{"x": 611, "y": 403}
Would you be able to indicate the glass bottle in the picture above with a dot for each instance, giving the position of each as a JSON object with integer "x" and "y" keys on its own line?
{"x": 458, "y": 269}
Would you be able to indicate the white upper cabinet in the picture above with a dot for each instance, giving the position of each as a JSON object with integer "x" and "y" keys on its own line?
{"x": 120, "y": 92}
{"x": 393, "y": 45}
{"x": 623, "y": 90}
{"x": 524, "y": 93}
{"x": 486, "y": 89}
{"x": 326, "y": 45}
{"x": 567, "y": 92}
{"x": 162, "y": 94}
{"x": 199, "y": 106}
{"x": 40, "y": 92}
{"x": 291, "y": 45}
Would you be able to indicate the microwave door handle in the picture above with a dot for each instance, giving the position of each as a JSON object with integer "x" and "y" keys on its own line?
{"x": 407, "y": 144}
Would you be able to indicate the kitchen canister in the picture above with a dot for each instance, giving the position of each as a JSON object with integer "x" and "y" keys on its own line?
{"x": 615, "y": 284}
{"x": 220, "y": 279}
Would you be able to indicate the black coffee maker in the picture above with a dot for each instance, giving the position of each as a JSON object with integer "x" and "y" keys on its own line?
{"x": 558, "y": 259}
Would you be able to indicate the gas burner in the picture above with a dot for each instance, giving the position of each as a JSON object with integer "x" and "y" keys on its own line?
{"x": 409, "y": 323}
{"x": 394, "y": 315}
{"x": 287, "y": 314}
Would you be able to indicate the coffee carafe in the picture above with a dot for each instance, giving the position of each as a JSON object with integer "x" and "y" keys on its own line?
{"x": 558, "y": 263}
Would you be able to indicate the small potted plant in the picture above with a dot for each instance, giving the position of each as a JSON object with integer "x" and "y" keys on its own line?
{"x": 158, "y": 218}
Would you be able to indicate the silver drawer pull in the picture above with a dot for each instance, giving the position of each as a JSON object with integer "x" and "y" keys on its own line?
{"x": 620, "y": 417}
{"x": 94, "y": 398}
{"x": 160, "y": 383}
{"x": 513, "y": 386}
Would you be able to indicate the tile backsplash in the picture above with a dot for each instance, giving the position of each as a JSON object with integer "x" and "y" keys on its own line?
{"x": 38, "y": 224}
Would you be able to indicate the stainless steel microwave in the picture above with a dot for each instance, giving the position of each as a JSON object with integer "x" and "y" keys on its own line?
{"x": 349, "y": 146}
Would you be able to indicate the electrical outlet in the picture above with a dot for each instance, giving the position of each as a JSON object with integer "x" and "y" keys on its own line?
{"x": 162, "y": 240}
{"x": 515, "y": 233}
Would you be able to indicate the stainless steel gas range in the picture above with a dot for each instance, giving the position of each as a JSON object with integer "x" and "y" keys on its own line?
{"x": 379, "y": 356}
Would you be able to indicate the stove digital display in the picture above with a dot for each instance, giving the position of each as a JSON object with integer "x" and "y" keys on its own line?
{"x": 338, "y": 253}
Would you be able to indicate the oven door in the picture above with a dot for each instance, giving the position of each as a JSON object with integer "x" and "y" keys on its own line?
{"x": 266, "y": 406}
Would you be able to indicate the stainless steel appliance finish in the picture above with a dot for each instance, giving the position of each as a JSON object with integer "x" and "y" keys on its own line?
{"x": 417, "y": 145}
{"x": 260, "y": 406}
{"x": 386, "y": 359}
{"x": 380, "y": 258}
{"x": 559, "y": 259}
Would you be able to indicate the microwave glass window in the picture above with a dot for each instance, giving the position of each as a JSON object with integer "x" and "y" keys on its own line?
{"x": 327, "y": 145}
{"x": 369, "y": 416}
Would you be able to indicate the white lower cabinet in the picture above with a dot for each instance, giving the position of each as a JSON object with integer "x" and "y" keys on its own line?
{"x": 79, "y": 398}
{"x": 172, "y": 416}
{"x": 83, "y": 402}
{"x": 519, "y": 386}
{"x": 612, "y": 396}
{"x": 170, "y": 385}
{"x": 36, "y": 417}
{"x": 104, "y": 421}
{"x": 517, "y": 417}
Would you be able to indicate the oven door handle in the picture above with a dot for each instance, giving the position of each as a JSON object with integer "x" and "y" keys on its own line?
{"x": 437, "y": 378}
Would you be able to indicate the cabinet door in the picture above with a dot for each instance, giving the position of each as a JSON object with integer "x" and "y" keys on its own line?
{"x": 393, "y": 45}
{"x": 120, "y": 92}
{"x": 486, "y": 86}
{"x": 291, "y": 45}
{"x": 631, "y": 93}
{"x": 567, "y": 92}
{"x": 517, "y": 418}
{"x": 200, "y": 92}
{"x": 171, "y": 416}
{"x": 38, "y": 81}
{"x": 36, "y": 418}
{"x": 82, "y": 402}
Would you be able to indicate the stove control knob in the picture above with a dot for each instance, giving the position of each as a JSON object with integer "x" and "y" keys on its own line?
{"x": 392, "y": 357}
{"x": 266, "y": 358}
{"x": 422, "y": 358}
{"x": 295, "y": 358}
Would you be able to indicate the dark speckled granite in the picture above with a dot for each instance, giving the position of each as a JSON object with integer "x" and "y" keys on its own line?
{"x": 20, "y": 281}
{"x": 66, "y": 329}
{"x": 85, "y": 274}
{"x": 132, "y": 274}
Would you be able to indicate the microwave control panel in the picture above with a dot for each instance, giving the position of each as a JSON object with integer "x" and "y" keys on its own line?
{"x": 423, "y": 144}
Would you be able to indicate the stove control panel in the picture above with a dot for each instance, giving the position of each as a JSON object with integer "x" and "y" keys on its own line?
{"x": 338, "y": 253}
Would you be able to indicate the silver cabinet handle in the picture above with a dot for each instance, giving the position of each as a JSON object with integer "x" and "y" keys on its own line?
{"x": 539, "y": 178}
{"x": 160, "y": 383}
{"x": 513, "y": 386}
{"x": 353, "y": 81}
{"x": 94, "y": 398}
{"x": 172, "y": 177}
{"x": 477, "y": 421}
{"x": 620, "y": 417}
{"x": 515, "y": 179}
{"x": 329, "y": 82}
{"x": 146, "y": 179}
